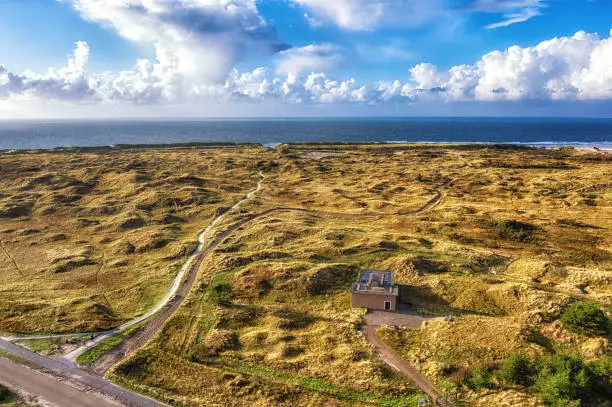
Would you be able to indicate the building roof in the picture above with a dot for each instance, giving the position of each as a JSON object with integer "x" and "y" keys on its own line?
{"x": 375, "y": 282}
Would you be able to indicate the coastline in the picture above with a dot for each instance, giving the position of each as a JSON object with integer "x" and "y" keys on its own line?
{"x": 602, "y": 147}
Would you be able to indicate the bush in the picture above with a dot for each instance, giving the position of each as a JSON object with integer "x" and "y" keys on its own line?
{"x": 517, "y": 369}
{"x": 585, "y": 318}
{"x": 514, "y": 230}
{"x": 479, "y": 378}
{"x": 564, "y": 381}
{"x": 5, "y": 395}
{"x": 222, "y": 293}
{"x": 560, "y": 380}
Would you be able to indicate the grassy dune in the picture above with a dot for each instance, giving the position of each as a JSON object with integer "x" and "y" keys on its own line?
{"x": 516, "y": 236}
{"x": 88, "y": 241}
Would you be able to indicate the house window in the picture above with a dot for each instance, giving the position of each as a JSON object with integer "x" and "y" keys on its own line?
{"x": 387, "y": 305}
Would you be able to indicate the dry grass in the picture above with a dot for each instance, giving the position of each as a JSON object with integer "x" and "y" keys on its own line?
{"x": 289, "y": 309}
{"x": 269, "y": 321}
{"x": 91, "y": 240}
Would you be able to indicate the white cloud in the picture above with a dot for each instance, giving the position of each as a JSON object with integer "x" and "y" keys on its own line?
{"x": 564, "y": 68}
{"x": 368, "y": 14}
{"x": 314, "y": 57}
{"x": 68, "y": 83}
{"x": 312, "y": 21}
{"x": 514, "y": 11}
{"x": 201, "y": 40}
{"x": 577, "y": 67}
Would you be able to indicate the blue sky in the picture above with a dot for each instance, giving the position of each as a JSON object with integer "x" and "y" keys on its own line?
{"x": 242, "y": 53}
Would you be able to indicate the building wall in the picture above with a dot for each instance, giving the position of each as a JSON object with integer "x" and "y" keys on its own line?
{"x": 374, "y": 301}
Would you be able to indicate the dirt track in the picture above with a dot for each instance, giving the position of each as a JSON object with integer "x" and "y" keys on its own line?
{"x": 391, "y": 358}
{"x": 154, "y": 325}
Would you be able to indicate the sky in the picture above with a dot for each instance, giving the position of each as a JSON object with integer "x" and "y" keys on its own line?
{"x": 243, "y": 58}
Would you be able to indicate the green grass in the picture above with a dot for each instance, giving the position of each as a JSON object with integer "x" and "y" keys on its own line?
{"x": 14, "y": 358}
{"x": 319, "y": 386}
{"x": 95, "y": 353}
{"x": 49, "y": 344}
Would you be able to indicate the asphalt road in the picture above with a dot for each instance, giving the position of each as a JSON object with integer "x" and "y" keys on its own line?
{"x": 48, "y": 388}
{"x": 69, "y": 372}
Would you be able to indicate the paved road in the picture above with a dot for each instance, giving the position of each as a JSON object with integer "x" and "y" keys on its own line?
{"x": 48, "y": 389}
{"x": 66, "y": 370}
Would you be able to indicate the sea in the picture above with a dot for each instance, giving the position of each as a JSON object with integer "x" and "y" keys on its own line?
{"x": 46, "y": 134}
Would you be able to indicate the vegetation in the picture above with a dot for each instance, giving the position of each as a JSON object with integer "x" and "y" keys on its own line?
{"x": 514, "y": 230}
{"x": 91, "y": 355}
{"x": 9, "y": 399}
{"x": 501, "y": 237}
{"x": 517, "y": 369}
{"x": 586, "y": 318}
{"x": 90, "y": 240}
{"x": 559, "y": 380}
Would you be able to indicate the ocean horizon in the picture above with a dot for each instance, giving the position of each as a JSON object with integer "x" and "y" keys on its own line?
{"x": 44, "y": 134}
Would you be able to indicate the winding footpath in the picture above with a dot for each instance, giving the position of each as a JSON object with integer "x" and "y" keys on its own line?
{"x": 67, "y": 373}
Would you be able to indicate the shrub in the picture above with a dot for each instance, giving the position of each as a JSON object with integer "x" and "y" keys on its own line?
{"x": 563, "y": 381}
{"x": 517, "y": 369}
{"x": 389, "y": 245}
{"x": 560, "y": 380}
{"x": 479, "y": 378}
{"x": 585, "y": 318}
{"x": 222, "y": 293}
{"x": 5, "y": 395}
{"x": 514, "y": 230}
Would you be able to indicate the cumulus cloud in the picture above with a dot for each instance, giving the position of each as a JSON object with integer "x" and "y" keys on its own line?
{"x": 565, "y": 68}
{"x": 314, "y": 57}
{"x": 67, "y": 83}
{"x": 201, "y": 40}
{"x": 577, "y": 67}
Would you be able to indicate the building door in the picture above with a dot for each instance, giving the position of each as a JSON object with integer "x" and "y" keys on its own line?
{"x": 387, "y": 305}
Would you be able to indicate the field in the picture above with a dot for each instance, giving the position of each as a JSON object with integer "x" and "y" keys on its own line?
{"x": 502, "y": 238}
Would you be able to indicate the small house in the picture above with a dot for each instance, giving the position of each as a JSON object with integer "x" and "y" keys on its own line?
{"x": 375, "y": 290}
